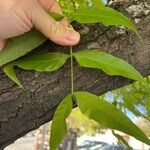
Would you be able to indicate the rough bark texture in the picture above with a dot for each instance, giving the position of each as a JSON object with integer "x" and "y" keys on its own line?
{"x": 24, "y": 110}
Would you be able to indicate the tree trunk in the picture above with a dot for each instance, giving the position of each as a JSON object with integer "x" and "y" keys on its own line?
{"x": 23, "y": 110}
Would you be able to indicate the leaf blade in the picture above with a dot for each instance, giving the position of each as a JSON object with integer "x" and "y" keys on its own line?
{"x": 104, "y": 15}
{"x": 109, "y": 116}
{"x": 107, "y": 63}
{"x": 20, "y": 46}
{"x": 42, "y": 62}
{"x": 59, "y": 127}
{"x": 9, "y": 71}
{"x": 56, "y": 16}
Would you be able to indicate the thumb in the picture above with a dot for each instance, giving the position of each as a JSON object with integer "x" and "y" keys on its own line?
{"x": 2, "y": 44}
{"x": 52, "y": 29}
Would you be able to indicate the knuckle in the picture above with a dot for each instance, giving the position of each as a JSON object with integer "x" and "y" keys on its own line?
{"x": 56, "y": 31}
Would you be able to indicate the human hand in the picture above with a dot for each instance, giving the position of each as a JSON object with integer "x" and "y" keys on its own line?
{"x": 19, "y": 16}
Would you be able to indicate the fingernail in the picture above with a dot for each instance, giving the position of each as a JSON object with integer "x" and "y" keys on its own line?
{"x": 72, "y": 36}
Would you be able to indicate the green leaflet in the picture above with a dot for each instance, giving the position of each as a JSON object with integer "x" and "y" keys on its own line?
{"x": 39, "y": 62}
{"x": 107, "y": 63}
{"x": 9, "y": 71}
{"x": 42, "y": 62}
{"x": 21, "y": 45}
{"x": 56, "y": 16}
{"x": 59, "y": 127}
{"x": 108, "y": 115}
{"x": 122, "y": 140}
{"x": 104, "y": 15}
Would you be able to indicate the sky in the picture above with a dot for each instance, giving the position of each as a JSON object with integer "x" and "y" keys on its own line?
{"x": 105, "y": 1}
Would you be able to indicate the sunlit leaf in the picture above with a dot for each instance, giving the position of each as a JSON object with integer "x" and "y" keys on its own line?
{"x": 59, "y": 127}
{"x": 42, "y": 62}
{"x": 108, "y": 115}
{"x": 107, "y": 63}
{"x": 9, "y": 71}
{"x": 104, "y": 15}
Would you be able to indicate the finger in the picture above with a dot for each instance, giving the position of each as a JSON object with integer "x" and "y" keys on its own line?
{"x": 50, "y": 5}
{"x": 53, "y": 6}
{"x": 52, "y": 29}
{"x": 2, "y": 44}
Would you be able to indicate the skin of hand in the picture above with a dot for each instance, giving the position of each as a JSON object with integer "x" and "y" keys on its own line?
{"x": 20, "y": 16}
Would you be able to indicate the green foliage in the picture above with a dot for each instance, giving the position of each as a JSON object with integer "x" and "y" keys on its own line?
{"x": 129, "y": 101}
{"x": 59, "y": 127}
{"x": 147, "y": 106}
{"x": 107, "y": 115}
{"x": 97, "y": 109}
{"x": 39, "y": 62}
{"x": 104, "y": 15}
{"x": 9, "y": 71}
{"x": 42, "y": 62}
{"x": 23, "y": 44}
{"x": 20, "y": 46}
{"x": 98, "y": 3}
{"x": 56, "y": 16}
{"x": 86, "y": 58}
{"x": 134, "y": 95}
{"x": 85, "y": 125}
{"x": 107, "y": 63}
{"x": 90, "y": 105}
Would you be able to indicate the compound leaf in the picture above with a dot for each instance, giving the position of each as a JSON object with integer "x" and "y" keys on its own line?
{"x": 42, "y": 62}
{"x": 108, "y": 115}
{"x": 59, "y": 127}
{"x": 107, "y": 63}
{"x": 104, "y": 15}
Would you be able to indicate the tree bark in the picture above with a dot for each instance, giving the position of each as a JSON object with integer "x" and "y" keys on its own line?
{"x": 23, "y": 110}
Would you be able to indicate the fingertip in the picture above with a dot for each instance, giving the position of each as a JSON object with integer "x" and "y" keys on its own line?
{"x": 70, "y": 38}
{"x": 73, "y": 37}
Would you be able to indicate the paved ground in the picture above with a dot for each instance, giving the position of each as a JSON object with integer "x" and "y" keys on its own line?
{"x": 26, "y": 143}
